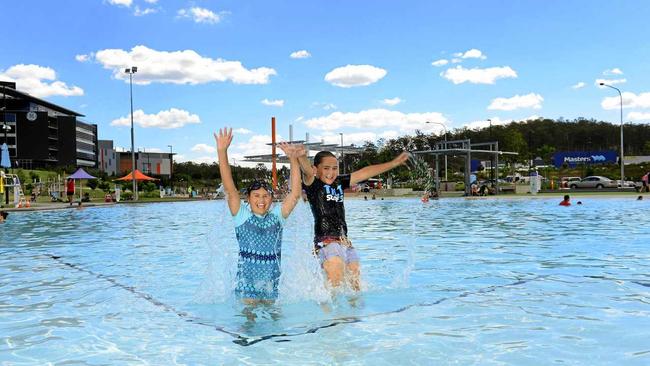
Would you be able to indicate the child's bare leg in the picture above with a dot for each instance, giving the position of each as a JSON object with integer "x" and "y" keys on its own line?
{"x": 334, "y": 267}
{"x": 354, "y": 275}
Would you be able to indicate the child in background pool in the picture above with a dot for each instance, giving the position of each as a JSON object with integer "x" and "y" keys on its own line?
{"x": 566, "y": 201}
{"x": 258, "y": 226}
{"x": 324, "y": 189}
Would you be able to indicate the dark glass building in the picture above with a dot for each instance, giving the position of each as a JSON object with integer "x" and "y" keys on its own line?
{"x": 41, "y": 134}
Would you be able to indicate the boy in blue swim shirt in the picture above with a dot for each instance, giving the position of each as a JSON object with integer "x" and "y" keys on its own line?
{"x": 258, "y": 226}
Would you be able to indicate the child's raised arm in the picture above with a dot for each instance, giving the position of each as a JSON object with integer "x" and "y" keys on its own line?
{"x": 223, "y": 139}
{"x": 306, "y": 168}
{"x": 373, "y": 170}
{"x": 293, "y": 152}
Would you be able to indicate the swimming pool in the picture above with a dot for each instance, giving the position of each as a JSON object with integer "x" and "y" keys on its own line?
{"x": 454, "y": 281}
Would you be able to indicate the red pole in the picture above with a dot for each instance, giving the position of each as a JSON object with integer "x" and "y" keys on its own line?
{"x": 274, "y": 171}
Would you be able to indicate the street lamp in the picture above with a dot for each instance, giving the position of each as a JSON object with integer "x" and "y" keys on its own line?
{"x": 171, "y": 162}
{"x": 342, "y": 154}
{"x": 132, "y": 71}
{"x": 445, "y": 129}
{"x": 622, "y": 155}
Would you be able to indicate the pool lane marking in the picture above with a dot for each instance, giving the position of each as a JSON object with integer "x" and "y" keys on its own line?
{"x": 249, "y": 341}
{"x": 143, "y": 295}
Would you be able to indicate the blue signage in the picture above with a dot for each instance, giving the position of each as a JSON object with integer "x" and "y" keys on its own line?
{"x": 573, "y": 158}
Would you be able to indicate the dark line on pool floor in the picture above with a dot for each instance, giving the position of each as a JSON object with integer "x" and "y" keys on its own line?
{"x": 245, "y": 341}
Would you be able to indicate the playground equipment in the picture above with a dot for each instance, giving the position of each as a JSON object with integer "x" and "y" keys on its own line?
{"x": 11, "y": 181}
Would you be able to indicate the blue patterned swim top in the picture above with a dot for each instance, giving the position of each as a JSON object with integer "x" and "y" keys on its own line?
{"x": 260, "y": 244}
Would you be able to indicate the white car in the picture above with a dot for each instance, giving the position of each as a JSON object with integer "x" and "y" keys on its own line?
{"x": 594, "y": 181}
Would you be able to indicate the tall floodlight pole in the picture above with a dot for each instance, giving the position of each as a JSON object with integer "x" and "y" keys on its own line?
{"x": 171, "y": 162}
{"x": 445, "y": 129}
{"x": 132, "y": 71}
{"x": 622, "y": 155}
{"x": 342, "y": 154}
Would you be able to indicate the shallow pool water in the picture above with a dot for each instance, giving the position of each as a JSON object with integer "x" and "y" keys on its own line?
{"x": 454, "y": 281}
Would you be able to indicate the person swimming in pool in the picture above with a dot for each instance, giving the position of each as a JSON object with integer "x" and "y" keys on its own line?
{"x": 324, "y": 188}
{"x": 258, "y": 225}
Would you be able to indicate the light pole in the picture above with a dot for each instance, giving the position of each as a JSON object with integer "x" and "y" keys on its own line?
{"x": 132, "y": 71}
{"x": 171, "y": 162}
{"x": 342, "y": 154}
{"x": 622, "y": 155}
{"x": 6, "y": 128}
{"x": 491, "y": 156}
{"x": 445, "y": 129}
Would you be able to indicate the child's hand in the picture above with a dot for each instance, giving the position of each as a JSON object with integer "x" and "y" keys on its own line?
{"x": 223, "y": 139}
{"x": 401, "y": 159}
{"x": 292, "y": 150}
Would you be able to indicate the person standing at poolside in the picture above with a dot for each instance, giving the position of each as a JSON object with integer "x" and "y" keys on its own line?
{"x": 645, "y": 180}
{"x": 258, "y": 226}
{"x": 69, "y": 190}
{"x": 324, "y": 188}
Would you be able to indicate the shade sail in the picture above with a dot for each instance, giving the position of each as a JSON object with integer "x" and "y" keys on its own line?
{"x": 81, "y": 174}
{"x": 138, "y": 176}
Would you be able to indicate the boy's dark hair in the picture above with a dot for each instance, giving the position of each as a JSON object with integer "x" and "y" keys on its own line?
{"x": 4, "y": 214}
{"x": 257, "y": 184}
{"x": 566, "y": 197}
{"x": 322, "y": 154}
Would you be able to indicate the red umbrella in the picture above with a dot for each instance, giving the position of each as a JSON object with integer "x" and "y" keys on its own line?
{"x": 138, "y": 176}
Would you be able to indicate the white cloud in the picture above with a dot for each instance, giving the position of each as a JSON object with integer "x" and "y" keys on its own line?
{"x": 201, "y": 15}
{"x": 299, "y": 119}
{"x": 83, "y": 58}
{"x": 439, "y": 63}
{"x": 377, "y": 118}
{"x": 142, "y": 12}
{"x": 242, "y": 131}
{"x": 300, "y": 54}
{"x": 204, "y": 148}
{"x": 579, "y": 85}
{"x": 355, "y": 75}
{"x": 456, "y": 60}
{"x": 630, "y": 100}
{"x": 39, "y": 81}
{"x": 172, "y": 118}
{"x": 609, "y": 81}
{"x": 178, "y": 67}
{"x": 614, "y": 71}
{"x": 638, "y": 116}
{"x": 473, "y": 53}
{"x": 126, "y": 3}
{"x": 459, "y": 74}
{"x": 151, "y": 1}
{"x": 392, "y": 101}
{"x": 325, "y": 106}
{"x": 531, "y": 100}
{"x": 273, "y": 103}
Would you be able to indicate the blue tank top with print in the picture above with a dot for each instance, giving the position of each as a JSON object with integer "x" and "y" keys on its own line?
{"x": 260, "y": 243}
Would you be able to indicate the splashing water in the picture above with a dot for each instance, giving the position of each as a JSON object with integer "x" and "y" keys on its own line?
{"x": 421, "y": 173}
{"x": 301, "y": 276}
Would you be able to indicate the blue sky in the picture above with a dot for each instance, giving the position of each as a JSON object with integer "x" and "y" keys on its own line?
{"x": 367, "y": 69}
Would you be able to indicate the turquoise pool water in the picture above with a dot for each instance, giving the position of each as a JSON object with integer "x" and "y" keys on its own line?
{"x": 455, "y": 281}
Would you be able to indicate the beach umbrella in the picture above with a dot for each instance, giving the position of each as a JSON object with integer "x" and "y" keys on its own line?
{"x": 139, "y": 176}
{"x": 79, "y": 175}
{"x": 4, "y": 156}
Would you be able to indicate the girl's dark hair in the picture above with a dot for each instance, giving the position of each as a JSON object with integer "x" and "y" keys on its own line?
{"x": 323, "y": 154}
{"x": 4, "y": 214}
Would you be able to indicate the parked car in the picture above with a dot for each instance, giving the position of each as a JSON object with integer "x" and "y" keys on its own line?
{"x": 565, "y": 182}
{"x": 594, "y": 181}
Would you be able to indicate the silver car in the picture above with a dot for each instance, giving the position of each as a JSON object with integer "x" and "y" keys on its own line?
{"x": 594, "y": 181}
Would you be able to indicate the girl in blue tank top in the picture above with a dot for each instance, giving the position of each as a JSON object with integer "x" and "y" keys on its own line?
{"x": 258, "y": 225}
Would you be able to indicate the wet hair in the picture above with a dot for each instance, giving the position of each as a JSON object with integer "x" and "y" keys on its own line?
{"x": 640, "y": 198}
{"x": 579, "y": 202}
{"x": 4, "y": 214}
{"x": 321, "y": 155}
{"x": 257, "y": 184}
{"x": 566, "y": 197}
